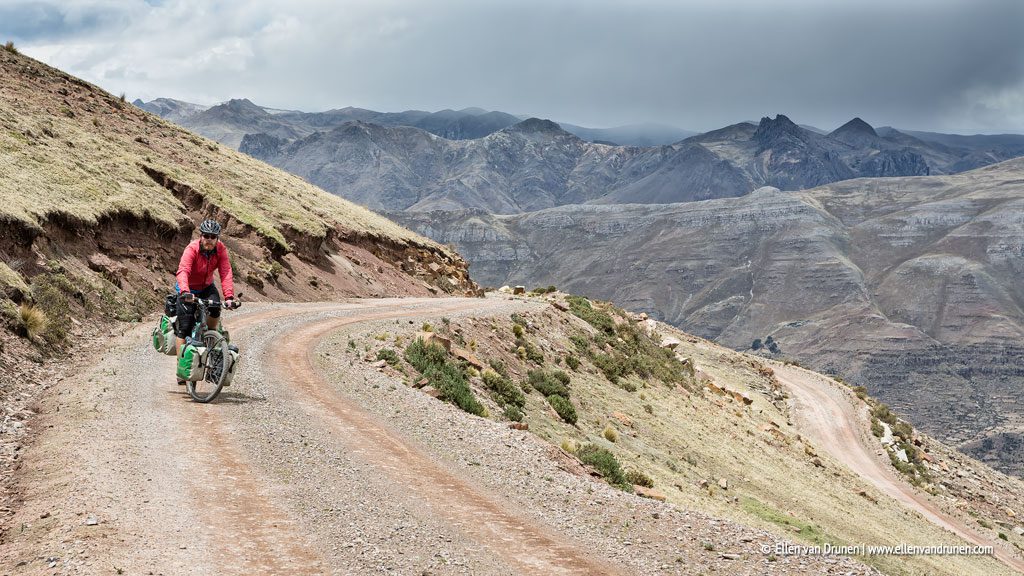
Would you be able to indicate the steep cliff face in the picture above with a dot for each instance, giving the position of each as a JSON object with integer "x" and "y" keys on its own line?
{"x": 908, "y": 285}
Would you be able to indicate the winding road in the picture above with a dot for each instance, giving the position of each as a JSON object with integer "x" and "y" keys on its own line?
{"x": 825, "y": 414}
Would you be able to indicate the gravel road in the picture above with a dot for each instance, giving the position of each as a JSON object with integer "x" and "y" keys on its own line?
{"x": 826, "y": 416}
{"x": 317, "y": 462}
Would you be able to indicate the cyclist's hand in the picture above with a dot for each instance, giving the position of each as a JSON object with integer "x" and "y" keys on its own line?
{"x": 188, "y": 297}
{"x": 229, "y": 303}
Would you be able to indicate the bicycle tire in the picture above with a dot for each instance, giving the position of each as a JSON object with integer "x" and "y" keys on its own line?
{"x": 218, "y": 362}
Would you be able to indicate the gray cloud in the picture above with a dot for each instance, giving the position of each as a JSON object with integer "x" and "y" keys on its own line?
{"x": 926, "y": 64}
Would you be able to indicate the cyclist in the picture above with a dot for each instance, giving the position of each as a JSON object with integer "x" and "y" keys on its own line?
{"x": 201, "y": 258}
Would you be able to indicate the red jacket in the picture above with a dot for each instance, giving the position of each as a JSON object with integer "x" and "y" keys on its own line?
{"x": 195, "y": 270}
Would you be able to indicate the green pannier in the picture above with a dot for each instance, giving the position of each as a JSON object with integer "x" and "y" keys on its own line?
{"x": 163, "y": 336}
{"x": 190, "y": 363}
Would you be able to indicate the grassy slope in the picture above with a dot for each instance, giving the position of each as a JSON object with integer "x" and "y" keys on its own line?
{"x": 69, "y": 148}
{"x": 691, "y": 437}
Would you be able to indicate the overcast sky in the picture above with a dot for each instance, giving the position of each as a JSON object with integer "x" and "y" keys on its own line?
{"x": 944, "y": 65}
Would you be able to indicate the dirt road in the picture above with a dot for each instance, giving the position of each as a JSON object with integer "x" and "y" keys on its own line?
{"x": 825, "y": 414}
{"x": 293, "y": 471}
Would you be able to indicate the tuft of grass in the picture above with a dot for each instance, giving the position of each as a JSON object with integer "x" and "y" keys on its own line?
{"x": 33, "y": 320}
{"x": 517, "y": 330}
{"x": 606, "y": 464}
{"x": 427, "y": 327}
{"x": 431, "y": 360}
{"x": 610, "y": 433}
{"x": 9, "y": 46}
{"x": 569, "y": 445}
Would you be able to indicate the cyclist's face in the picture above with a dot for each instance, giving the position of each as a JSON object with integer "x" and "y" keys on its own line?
{"x": 208, "y": 241}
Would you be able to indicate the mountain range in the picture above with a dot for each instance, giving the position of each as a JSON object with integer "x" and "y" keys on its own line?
{"x": 230, "y": 121}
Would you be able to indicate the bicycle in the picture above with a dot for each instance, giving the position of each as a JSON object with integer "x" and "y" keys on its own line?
{"x": 214, "y": 367}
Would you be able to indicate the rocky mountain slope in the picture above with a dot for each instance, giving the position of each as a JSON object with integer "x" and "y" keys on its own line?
{"x": 535, "y": 164}
{"x": 907, "y": 285}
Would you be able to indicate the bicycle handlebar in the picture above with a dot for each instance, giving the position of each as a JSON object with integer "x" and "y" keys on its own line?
{"x": 217, "y": 303}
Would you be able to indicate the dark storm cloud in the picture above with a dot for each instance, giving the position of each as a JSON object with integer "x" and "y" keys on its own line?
{"x": 944, "y": 65}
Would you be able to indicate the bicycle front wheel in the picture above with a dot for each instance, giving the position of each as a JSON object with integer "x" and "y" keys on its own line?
{"x": 218, "y": 361}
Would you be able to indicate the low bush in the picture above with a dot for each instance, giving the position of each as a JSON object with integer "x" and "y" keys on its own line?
{"x": 388, "y": 355}
{"x": 610, "y": 433}
{"x": 546, "y": 383}
{"x": 526, "y": 350}
{"x": 606, "y": 464}
{"x": 508, "y": 394}
{"x": 432, "y": 361}
{"x": 563, "y": 407}
{"x": 513, "y": 413}
{"x": 599, "y": 319}
{"x": 572, "y": 362}
{"x": 639, "y": 478}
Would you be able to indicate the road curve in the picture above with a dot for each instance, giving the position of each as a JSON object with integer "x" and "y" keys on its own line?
{"x": 529, "y": 548}
{"x": 824, "y": 413}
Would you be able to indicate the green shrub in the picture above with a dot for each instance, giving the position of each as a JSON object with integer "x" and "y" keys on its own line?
{"x": 599, "y": 319}
{"x": 513, "y": 413}
{"x": 564, "y": 408}
{"x": 861, "y": 392}
{"x": 639, "y": 478}
{"x": 581, "y": 342}
{"x": 903, "y": 430}
{"x": 508, "y": 394}
{"x": 876, "y": 428}
{"x": 881, "y": 411}
{"x": 499, "y": 367}
{"x": 52, "y": 293}
{"x": 528, "y": 351}
{"x": 388, "y": 355}
{"x": 546, "y": 383}
{"x": 606, "y": 464}
{"x": 275, "y": 270}
{"x": 9, "y": 46}
{"x": 432, "y": 361}
{"x": 572, "y": 362}
{"x": 517, "y": 330}
{"x": 518, "y": 320}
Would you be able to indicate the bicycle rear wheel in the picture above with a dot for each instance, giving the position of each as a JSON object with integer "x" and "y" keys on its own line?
{"x": 217, "y": 365}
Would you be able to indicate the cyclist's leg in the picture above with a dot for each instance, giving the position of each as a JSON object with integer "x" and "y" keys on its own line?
{"x": 211, "y": 293}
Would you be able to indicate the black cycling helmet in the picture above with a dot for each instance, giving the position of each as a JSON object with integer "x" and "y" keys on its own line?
{"x": 210, "y": 227}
